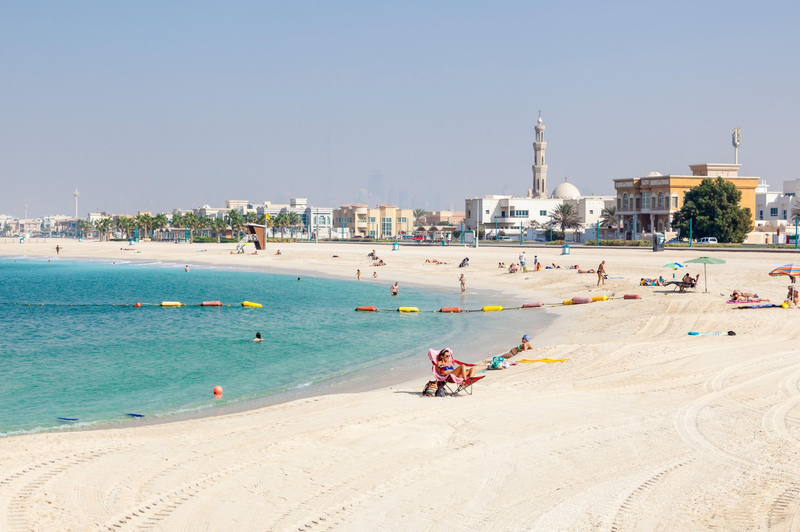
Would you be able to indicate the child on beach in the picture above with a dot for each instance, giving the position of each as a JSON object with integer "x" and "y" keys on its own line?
{"x": 358, "y": 274}
{"x": 463, "y": 281}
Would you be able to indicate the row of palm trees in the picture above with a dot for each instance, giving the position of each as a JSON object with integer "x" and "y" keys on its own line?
{"x": 194, "y": 223}
{"x": 565, "y": 216}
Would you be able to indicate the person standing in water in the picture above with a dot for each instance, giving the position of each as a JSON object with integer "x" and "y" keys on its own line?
{"x": 463, "y": 281}
{"x": 58, "y": 249}
{"x": 358, "y": 274}
{"x": 601, "y": 273}
{"x": 395, "y": 289}
{"x": 258, "y": 337}
{"x": 186, "y": 269}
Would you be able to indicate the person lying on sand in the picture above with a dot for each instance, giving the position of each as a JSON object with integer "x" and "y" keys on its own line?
{"x": 591, "y": 270}
{"x": 381, "y": 263}
{"x": 524, "y": 346}
{"x": 278, "y": 252}
{"x": 429, "y": 261}
{"x": 501, "y": 264}
{"x": 738, "y": 295}
{"x": 445, "y": 366}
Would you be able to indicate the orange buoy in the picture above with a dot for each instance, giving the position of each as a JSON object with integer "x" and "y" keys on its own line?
{"x": 137, "y": 305}
{"x": 366, "y": 309}
{"x": 217, "y": 390}
{"x": 534, "y": 304}
{"x": 211, "y": 304}
{"x": 450, "y": 310}
{"x": 632, "y": 296}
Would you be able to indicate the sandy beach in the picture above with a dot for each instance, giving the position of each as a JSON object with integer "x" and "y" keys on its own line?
{"x": 643, "y": 427}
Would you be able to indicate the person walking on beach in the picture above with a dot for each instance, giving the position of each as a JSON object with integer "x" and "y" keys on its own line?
{"x": 395, "y": 289}
{"x": 522, "y": 260}
{"x": 358, "y": 274}
{"x": 601, "y": 273}
{"x": 463, "y": 281}
{"x": 57, "y": 250}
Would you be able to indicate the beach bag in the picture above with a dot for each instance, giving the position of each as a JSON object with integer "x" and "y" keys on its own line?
{"x": 430, "y": 389}
{"x": 441, "y": 391}
{"x": 498, "y": 363}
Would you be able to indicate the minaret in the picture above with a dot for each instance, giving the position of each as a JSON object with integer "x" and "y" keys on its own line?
{"x": 539, "y": 167}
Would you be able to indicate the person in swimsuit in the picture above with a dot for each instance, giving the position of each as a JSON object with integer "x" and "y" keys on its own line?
{"x": 186, "y": 269}
{"x": 395, "y": 289}
{"x": 463, "y": 281}
{"x": 358, "y": 274}
{"x": 524, "y": 346}
{"x": 58, "y": 249}
{"x": 445, "y": 366}
{"x": 601, "y": 273}
{"x": 374, "y": 275}
{"x": 258, "y": 337}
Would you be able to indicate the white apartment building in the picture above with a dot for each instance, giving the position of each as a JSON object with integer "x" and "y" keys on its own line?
{"x": 774, "y": 208}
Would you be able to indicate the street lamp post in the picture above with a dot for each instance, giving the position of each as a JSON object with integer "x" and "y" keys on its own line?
{"x": 551, "y": 228}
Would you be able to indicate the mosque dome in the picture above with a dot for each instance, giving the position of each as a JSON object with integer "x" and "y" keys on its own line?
{"x": 566, "y": 191}
{"x": 654, "y": 174}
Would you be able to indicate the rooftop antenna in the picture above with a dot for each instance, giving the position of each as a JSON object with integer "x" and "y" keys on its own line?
{"x": 736, "y": 139}
{"x": 76, "y": 194}
{"x": 26, "y": 212}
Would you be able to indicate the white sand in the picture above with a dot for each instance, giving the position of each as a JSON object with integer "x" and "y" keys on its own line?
{"x": 644, "y": 428}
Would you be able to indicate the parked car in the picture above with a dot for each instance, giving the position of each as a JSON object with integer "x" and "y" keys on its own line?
{"x": 505, "y": 239}
{"x": 707, "y": 240}
{"x": 674, "y": 241}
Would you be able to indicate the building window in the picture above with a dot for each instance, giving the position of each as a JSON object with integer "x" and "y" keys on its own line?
{"x": 619, "y": 203}
{"x": 386, "y": 226}
{"x": 542, "y": 213}
{"x": 502, "y": 214}
{"x": 402, "y": 220}
{"x": 469, "y": 214}
{"x": 645, "y": 200}
{"x": 760, "y": 215}
{"x": 591, "y": 211}
{"x": 674, "y": 202}
{"x": 660, "y": 200}
{"x": 625, "y": 202}
{"x": 784, "y": 214}
{"x": 638, "y": 203}
{"x": 773, "y": 211}
{"x": 487, "y": 211}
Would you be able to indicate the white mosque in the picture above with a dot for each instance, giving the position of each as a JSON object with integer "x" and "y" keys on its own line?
{"x": 510, "y": 214}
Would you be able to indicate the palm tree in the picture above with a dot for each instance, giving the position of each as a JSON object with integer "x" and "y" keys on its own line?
{"x": 6, "y": 228}
{"x": 251, "y": 217}
{"x": 293, "y": 220}
{"x": 236, "y": 222}
{"x": 143, "y": 221}
{"x": 796, "y": 209}
{"x": 190, "y": 221}
{"x": 608, "y": 217}
{"x": 280, "y": 221}
{"x": 103, "y": 225}
{"x": 85, "y": 226}
{"x": 565, "y": 216}
{"x": 124, "y": 224}
{"x": 220, "y": 226}
{"x": 419, "y": 216}
{"x": 159, "y": 221}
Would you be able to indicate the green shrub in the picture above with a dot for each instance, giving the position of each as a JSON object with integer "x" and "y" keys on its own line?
{"x": 635, "y": 243}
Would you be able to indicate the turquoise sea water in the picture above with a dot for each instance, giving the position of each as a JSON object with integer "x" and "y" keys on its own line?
{"x": 100, "y": 362}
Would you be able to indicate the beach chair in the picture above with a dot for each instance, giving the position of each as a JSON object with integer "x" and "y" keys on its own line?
{"x": 452, "y": 385}
{"x": 692, "y": 285}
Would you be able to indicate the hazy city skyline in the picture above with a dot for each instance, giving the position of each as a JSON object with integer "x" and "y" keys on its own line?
{"x": 154, "y": 107}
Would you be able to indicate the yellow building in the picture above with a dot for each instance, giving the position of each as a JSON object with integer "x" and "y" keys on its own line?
{"x": 649, "y": 202}
{"x": 384, "y": 221}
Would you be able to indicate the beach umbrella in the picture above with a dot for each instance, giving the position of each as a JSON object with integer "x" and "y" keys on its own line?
{"x": 789, "y": 270}
{"x": 674, "y": 265}
{"x": 705, "y": 261}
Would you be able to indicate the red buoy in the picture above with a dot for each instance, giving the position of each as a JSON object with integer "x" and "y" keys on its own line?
{"x": 450, "y": 310}
{"x": 632, "y": 296}
{"x": 211, "y": 304}
{"x": 581, "y": 300}
{"x": 217, "y": 390}
{"x": 366, "y": 309}
{"x": 535, "y": 304}
{"x": 137, "y": 305}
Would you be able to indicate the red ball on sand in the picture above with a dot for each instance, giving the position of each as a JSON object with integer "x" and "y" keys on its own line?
{"x": 217, "y": 390}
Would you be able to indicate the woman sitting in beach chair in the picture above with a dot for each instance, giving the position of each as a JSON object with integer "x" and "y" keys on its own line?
{"x": 687, "y": 284}
{"x": 447, "y": 369}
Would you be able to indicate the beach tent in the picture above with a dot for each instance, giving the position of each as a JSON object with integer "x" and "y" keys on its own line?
{"x": 706, "y": 261}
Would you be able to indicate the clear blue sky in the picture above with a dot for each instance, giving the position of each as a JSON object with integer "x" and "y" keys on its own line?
{"x": 156, "y": 105}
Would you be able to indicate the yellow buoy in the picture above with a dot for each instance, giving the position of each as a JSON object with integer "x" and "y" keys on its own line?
{"x": 491, "y": 308}
{"x": 250, "y": 304}
{"x": 599, "y": 298}
{"x": 568, "y": 302}
{"x": 408, "y": 309}
{"x": 170, "y": 303}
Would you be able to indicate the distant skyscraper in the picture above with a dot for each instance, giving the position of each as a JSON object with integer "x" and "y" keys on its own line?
{"x": 539, "y": 166}
{"x": 375, "y": 185}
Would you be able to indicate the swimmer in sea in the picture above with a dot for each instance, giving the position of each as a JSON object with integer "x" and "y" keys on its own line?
{"x": 524, "y": 346}
{"x": 186, "y": 269}
{"x": 395, "y": 289}
{"x": 258, "y": 337}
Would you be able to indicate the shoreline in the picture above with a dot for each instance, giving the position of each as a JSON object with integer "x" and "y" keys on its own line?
{"x": 353, "y": 381}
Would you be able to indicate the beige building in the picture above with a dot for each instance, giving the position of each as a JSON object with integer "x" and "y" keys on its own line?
{"x": 384, "y": 221}
{"x": 444, "y": 217}
{"x": 650, "y": 202}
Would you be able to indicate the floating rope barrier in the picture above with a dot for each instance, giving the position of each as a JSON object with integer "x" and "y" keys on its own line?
{"x": 498, "y": 308}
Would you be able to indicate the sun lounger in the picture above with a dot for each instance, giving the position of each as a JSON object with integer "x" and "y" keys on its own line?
{"x": 448, "y": 382}
{"x": 682, "y": 287}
